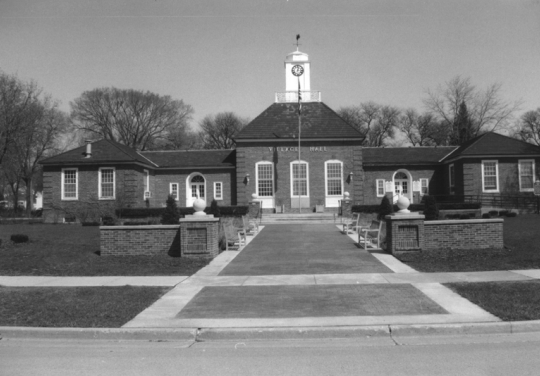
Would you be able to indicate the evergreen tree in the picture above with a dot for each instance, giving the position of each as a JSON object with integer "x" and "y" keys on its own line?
{"x": 170, "y": 216}
{"x": 431, "y": 211}
{"x": 214, "y": 209}
{"x": 385, "y": 208}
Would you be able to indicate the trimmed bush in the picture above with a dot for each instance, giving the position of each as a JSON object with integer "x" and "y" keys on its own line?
{"x": 511, "y": 214}
{"x": 108, "y": 221}
{"x": 19, "y": 238}
{"x": 464, "y": 216}
{"x": 214, "y": 209}
{"x": 365, "y": 208}
{"x": 385, "y": 208}
{"x": 503, "y": 213}
{"x": 493, "y": 213}
{"x": 170, "y": 216}
{"x": 226, "y": 211}
{"x": 486, "y": 216}
{"x": 431, "y": 210}
{"x": 458, "y": 205}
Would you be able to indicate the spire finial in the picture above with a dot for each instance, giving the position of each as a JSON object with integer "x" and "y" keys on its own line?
{"x": 297, "y": 43}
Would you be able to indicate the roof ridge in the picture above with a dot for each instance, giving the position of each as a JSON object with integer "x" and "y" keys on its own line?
{"x": 115, "y": 144}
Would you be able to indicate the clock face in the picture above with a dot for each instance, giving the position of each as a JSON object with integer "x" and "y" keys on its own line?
{"x": 297, "y": 70}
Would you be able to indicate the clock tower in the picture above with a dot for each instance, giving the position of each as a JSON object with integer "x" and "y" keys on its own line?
{"x": 301, "y": 64}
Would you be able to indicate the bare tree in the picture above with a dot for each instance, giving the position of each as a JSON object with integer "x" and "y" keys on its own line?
{"x": 134, "y": 118}
{"x": 218, "y": 132}
{"x": 529, "y": 127}
{"x": 377, "y": 123}
{"x": 487, "y": 111}
{"x": 18, "y": 100}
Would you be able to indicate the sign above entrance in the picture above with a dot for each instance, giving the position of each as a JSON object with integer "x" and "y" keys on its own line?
{"x": 295, "y": 148}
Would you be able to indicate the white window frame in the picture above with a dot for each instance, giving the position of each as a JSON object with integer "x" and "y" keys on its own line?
{"x": 335, "y": 161}
{"x": 422, "y": 186}
{"x": 220, "y": 196}
{"x": 100, "y": 196}
{"x": 76, "y": 184}
{"x": 146, "y": 182}
{"x": 377, "y": 182}
{"x": 307, "y": 177}
{"x": 452, "y": 179}
{"x": 257, "y": 178}
{"x": 496, "y": 190}
{"x": 533, "y": 175}
{"x": 177, "y": 190}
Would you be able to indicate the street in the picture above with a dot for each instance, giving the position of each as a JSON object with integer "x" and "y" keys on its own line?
{"x": 515, "y": 354}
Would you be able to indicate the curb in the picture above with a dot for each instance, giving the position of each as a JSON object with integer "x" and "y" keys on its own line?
{"x": 254, "y": 334}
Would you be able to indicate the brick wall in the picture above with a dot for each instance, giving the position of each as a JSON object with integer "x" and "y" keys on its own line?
{"x": 199, "y": 238}
{"x": 464, "y": 234}
{"x": 140, "y": 240}
{"x": 248, "y": 154}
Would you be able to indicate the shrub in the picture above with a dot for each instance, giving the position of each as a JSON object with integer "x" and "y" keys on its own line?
{"x": 458, "y": 205}
{"x": 91, "y": 223}
{"x": 493, "y": 213}
{"x": 108, "y": 221}
{"x": 431, "y": 210}
{"x": 385, "y": 208}
{"x": 170, "y": 216}
{"x": 365, "y": 208}
{"x": 464, "y": 216}
{"x": 503, "y": 213}
{"x": 214, "y": 209}
{"x": 511, "y": 214}
{"x": 486, "y": 216}
{"x": 19, "y": 238}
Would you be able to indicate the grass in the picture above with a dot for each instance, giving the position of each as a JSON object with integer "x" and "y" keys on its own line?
{"x": 509, "y": 301}
{"x": 72, "y": 250}
{"x": 522, "y": 251}
{"x": 81, "y": 307}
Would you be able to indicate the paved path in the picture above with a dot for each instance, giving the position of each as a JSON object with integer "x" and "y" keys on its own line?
{"x": 302, "y": 249}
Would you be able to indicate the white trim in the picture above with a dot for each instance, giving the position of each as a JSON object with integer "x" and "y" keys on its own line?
{"x": 177, "y": 190}
{"x": 307, "y": 177}
{"x": 62, "y": 181}
{"x": 257, "y": 178}
{"x": 533, "y": 175}
{"x": 221, "y": 190}
{"x": 427, "y": 186}
{"x": 113, "y": 197}
{"x": 496, "y": 190}
{"x": 377, "y": 187}
{"x": 146, "y": 183}
{"x": 450, "y": 174}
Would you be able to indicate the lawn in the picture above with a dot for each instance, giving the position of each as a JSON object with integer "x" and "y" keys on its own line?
{"x": 72, "y": 250}
{"x": 509, "y": 301}
{"x": 80, "y": 307}
{"x": 522, "y": 251}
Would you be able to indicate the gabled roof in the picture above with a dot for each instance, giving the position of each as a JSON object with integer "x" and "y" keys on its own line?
{"x": 280, "y": 121}
{"x": 423, "y": 155}
{"x": 103, "y": 151}
{"x": 493, "y": 144}
{"x": 192, "y": 158}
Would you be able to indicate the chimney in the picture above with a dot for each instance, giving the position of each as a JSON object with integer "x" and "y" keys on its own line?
{"x": 88, "y": 153}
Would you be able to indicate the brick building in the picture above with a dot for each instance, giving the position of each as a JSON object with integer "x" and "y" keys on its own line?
{"x": 279, "y": 167}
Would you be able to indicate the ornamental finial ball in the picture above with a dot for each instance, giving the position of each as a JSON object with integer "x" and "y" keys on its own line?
{"x": 199, "y": 205}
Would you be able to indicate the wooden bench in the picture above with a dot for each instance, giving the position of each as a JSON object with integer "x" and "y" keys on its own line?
{"x": 235, "y": 237}
{"x": 369, "y": 237}
{"x": 350, "y": 224}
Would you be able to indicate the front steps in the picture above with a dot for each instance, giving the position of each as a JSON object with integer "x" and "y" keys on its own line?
{"x": 285, "y": 218}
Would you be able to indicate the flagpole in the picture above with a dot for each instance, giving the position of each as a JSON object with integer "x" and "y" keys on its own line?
{"x": 299, "y": 153}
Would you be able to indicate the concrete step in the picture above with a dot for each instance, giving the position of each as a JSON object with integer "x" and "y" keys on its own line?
{"x": 299, "y": 218}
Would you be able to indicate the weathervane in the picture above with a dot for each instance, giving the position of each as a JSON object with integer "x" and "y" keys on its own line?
{"x": 297, "y": 43}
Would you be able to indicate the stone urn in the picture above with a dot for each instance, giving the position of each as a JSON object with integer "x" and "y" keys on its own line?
{"x": 253, "y": 196}
{"x": 403, "y": 203}
{"x": 199, "y": 205}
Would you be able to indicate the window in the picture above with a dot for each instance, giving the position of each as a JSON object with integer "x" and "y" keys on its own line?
{"x": 424, "y": 186}
{"x": 299, "y": 179}
{"x": 173, "y": 190}
{"x": 106, "y": 183}
{"x": 70, "y": 189}
{"x": 490, "y": 178}
{"x": 198, "y": 187}
{"x": 334, "y": 178}
{"x": 265, "y": 179}
{"x": 452, "y": 178}
{"x": 526, "y": 175}
{"x": 379, "y": 183}
{"x": 218, "y": 190}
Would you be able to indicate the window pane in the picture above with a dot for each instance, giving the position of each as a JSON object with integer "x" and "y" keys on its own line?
{"x": 299, "y": 179}
{"x": 265, "y": 180}
{"x": 333, "y": 174}
{"x": 70, "y": 183}
{"x": 526, "y": 175}
{"x": 380, "y": 187}
{"x": 107, "y": 183}
{"x": 490, "y": 176}
{"x": 218, "y": 191}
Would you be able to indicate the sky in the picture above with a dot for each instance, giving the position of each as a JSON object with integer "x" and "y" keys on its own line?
{"x": 227, "y": 55}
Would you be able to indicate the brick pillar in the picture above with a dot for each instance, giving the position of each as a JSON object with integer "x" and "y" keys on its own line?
{"x": 404, "y": 232}
{"x": 346, "y": 208}
{"x": 199, "y": 236}
{"x": 254, "y": 209}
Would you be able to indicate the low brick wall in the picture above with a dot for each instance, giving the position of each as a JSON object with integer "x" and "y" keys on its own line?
{"x": 140, "y": 240}
{"x": 463, "y": 234}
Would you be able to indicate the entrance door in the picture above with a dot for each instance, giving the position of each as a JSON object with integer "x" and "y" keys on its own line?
{"x": 196, "y": 190}
{"x": 401, "y": 184}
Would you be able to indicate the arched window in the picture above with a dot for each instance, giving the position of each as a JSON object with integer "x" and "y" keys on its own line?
{"x": 195, "y": 188}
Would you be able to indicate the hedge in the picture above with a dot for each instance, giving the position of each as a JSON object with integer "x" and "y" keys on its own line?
{"x": 237, "y": 210}
{"x": 420, "y": 207}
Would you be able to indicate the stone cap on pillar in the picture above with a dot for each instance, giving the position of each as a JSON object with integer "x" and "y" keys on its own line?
{"x": 194, "y": 218}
